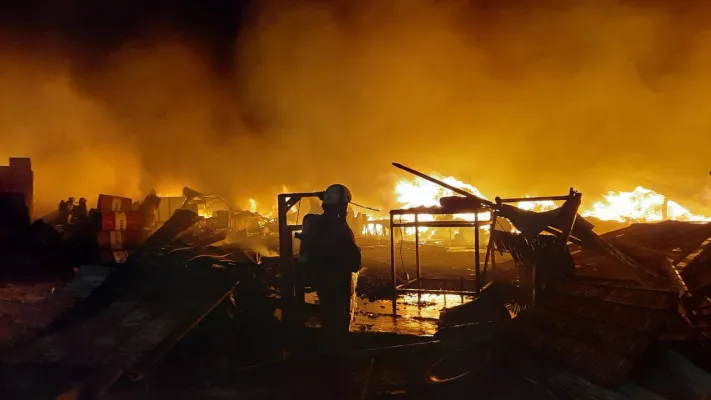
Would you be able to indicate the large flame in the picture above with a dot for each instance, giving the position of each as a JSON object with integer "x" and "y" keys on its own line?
{"x": 252, "y": 205}
{"x": 537, "y": 206}
{"x": 419, "y": 192}
{"x": 639, "y": 205}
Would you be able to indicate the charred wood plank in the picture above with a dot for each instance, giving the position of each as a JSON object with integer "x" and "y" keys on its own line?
{"x": 601, "y": 365}
{"x": 625, "y": 341}
{"x": 642, "y": 319}
{"x": 638, "y": 297}
{"x": 645, "y": 276}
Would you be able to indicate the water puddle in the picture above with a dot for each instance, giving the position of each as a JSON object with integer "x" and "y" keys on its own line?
{"x": 415, "y": 316}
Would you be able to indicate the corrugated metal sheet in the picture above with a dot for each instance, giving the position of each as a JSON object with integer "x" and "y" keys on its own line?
{"x": 618, "y": 293}
{"x": 697, "y": 273}
{"x": 596, "y": 328}
{"x": 663, "y": 236}
{"x": 624, "y": 340}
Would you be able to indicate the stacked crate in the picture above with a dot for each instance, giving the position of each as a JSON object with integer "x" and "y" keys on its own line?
{"x": 120, "y": 228}
{"x": 17, "y": 180}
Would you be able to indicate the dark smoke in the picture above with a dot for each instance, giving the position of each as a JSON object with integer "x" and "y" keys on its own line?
{"x": 242, "y": 98}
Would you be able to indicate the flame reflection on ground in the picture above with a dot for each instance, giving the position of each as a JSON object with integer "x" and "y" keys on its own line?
{"x": 414, "y": 316}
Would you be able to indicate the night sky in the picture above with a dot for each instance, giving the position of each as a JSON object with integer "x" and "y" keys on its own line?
{"x": 91, "y": 29}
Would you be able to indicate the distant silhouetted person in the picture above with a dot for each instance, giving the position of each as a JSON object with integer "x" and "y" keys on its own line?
{"x": 62, "y": 213}
{"x": 80, "y": 211}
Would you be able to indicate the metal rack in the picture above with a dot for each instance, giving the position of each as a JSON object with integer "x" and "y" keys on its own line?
{"x": 419, "y": 284}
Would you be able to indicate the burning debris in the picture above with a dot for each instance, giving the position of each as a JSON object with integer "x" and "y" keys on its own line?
{"x": 617, "y": 209}
{"x": 599, "y": 311}
{"x": 526, "y": 284}
{"x": 120, "y": 319}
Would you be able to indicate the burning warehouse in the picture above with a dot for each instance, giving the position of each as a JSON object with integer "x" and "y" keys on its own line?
{"x": 209, "y": 211}
{"x": 536, "y": 287}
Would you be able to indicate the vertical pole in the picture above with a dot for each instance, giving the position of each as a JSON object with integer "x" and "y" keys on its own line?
{"x": 299, "y": 286}
{"x": 417, "y": 246}
{"x": 568, "y": 229}
{"x": 534, "y": 246}
{"x": 477, "y": 271}
{"x": 417, "y": 256}
{"x": 392, "y": 264}
{"x": 286, "y": 261}
{"x": 493, "y": 256}
{"x": 490, "y": 247}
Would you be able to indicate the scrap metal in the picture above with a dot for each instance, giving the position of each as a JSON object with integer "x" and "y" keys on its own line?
{"x": 590, "y": 322}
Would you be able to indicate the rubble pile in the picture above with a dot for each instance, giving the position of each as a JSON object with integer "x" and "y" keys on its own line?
{"x": 605, "y": 311}
{"x": 631, "y": 290}
{"x": 117, "y": 227}
{"x": 579, "y": 315}
{"x": 137, "y": 290}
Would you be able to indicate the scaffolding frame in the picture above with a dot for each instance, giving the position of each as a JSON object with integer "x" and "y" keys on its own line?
{"x": 417, "y": 224}
{"x": 479, "y": 275}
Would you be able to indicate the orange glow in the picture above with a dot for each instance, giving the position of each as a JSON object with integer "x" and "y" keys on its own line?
{"x": 534, "y": 98}
{"x": 252, "y": 205}
{"x": 537, "y": 206}
{"x": 412, "y": 193}
{"x": 165, "y": 189}
{"x": 373, "y": 229}
{"x": 168, "y": 194}
{"x": 419, "y": 192}
{"x": 639, "y": 205}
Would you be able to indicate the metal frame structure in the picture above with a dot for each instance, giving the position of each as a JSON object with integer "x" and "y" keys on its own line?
{"x": 467, "y": 204}
{"x": 292, "y": 282}
{"x": 417, "y": 224}
{"x": 563, "y": 236}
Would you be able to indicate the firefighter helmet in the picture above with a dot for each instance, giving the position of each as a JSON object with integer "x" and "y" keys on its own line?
{"x": 336, "y": 194}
